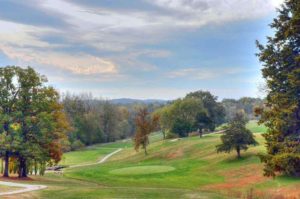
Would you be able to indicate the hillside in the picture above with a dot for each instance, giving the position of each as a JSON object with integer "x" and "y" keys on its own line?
{"x": 185, "y": 168}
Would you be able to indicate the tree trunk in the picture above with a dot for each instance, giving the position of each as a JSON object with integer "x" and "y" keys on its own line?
{"x": 164, "y": 134}
{"x": 22, "y": 168}
{"x": 6, "y": 165}
{"x": 2, "y": 165}
{"x": 145, "y": 149}
{"x": 200, "y": 133}
{"x": 238, "y": 151}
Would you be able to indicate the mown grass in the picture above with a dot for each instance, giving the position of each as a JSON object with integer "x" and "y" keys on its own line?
{"x": 141, "y": 170}
{"x": 255, "y": 127}
{"x": 200, "y": 172}
{"x": 88, "y": 155}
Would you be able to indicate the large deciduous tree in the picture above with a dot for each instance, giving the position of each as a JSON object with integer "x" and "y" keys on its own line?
{"x": 197, "y": 111}
{"x": 145, "y": 124}
{"x": 35, "y": 129}
{"x": 281, "y": 114}
{"x": 236, "y": 136}
{"x": 9, "y": 139}
{"x": 215, "y": 113}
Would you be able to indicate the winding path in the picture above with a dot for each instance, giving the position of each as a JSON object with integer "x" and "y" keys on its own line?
{"x": 99, "y": 162}
{"x": 29, "y": 187}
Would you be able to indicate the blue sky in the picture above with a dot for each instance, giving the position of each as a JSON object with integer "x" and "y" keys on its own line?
{"x": 139, "y": 48}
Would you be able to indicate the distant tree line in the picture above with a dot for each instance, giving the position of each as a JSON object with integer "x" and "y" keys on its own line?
{"x": 99, "y": 121}
{"x": 244, "y": 104}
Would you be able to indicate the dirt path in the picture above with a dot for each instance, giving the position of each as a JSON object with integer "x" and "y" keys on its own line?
{"x": 29, "y": 187}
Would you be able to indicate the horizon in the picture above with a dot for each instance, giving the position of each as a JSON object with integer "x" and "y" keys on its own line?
{"x": 100, "y": 47}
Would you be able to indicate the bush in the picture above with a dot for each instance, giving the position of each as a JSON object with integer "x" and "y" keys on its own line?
{"x": 170, "y": 135}
{"x": 193, "y": 134}
{"x": 76, "y": 145}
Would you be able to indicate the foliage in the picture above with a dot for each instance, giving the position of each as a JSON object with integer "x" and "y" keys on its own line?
{"x": 145, "y": 124}
{"x": 198, "y": 111}
{"x": 76, "y": 145}
{"x": 99, "y": 121}
{"x": 247, "y": 104}
{"x": 215, "y": 112}
{"x": 236, "y": 136}
{"x": 33, "y": 125}
{"x": 281, "y": 114}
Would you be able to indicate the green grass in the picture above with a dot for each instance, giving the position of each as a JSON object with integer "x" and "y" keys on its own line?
{"x": 142, "y": 170}
{"x": 254, "y": 127}
{"x": 89, "y": 155}
{"x": 200, "y": 172}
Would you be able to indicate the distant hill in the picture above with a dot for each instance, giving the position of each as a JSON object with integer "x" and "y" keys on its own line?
{"x": 137, "y": 101}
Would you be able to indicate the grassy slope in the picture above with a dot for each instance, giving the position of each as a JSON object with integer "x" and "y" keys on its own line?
{"x": 88, "y": 155}
{"x": 200, "y": 173}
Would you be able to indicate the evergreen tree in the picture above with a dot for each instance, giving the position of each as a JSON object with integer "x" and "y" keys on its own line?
{"x": 281, "y": 114}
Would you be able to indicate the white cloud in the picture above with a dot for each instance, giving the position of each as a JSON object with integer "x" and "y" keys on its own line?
{"x": 197, "y": 13}
{"x": 121, "y": 34}
{"x": 78, "y": 63}
{"x": 204, "y": 73}
{"x": 20, "y": 35}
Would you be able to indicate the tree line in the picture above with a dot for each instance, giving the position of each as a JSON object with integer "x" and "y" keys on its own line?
{"x": 99, "y": 121}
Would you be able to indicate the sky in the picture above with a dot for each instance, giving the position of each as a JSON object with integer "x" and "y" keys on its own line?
{"x": 144, "y": 49}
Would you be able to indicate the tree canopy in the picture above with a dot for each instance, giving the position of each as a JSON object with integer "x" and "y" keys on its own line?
{"x": 196, "y": 112}
{"x": 33, "y": 124}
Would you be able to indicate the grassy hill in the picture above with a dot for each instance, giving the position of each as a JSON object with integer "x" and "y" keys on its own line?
{"x": 184, "y": 168}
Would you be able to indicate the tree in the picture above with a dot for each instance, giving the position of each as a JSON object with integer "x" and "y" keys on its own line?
{"x": 281, "y": 114}
{"x": 8, "y": 99}
{"x": 33, "y": 126}
{"x": 183, "y": 116}
{"x": 203, "y": 122}
{"x": 145, "y": 124}
{"x": 43, "y": 124}
{"x": 236, "y": 136}
{"x": 164, "y": 119}
{"x": 96, "y": 120}
{"x": 215, "y": 113}
{"x": 247, "y": 104}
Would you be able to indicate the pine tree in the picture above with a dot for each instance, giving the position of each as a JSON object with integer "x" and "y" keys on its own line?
{"x": 281, "y": 114}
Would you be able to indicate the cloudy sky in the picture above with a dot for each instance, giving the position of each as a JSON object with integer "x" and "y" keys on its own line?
{"x": 139, "y": 48}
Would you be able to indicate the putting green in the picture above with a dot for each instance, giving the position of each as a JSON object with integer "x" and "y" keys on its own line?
{"x": 142, "y": 170}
